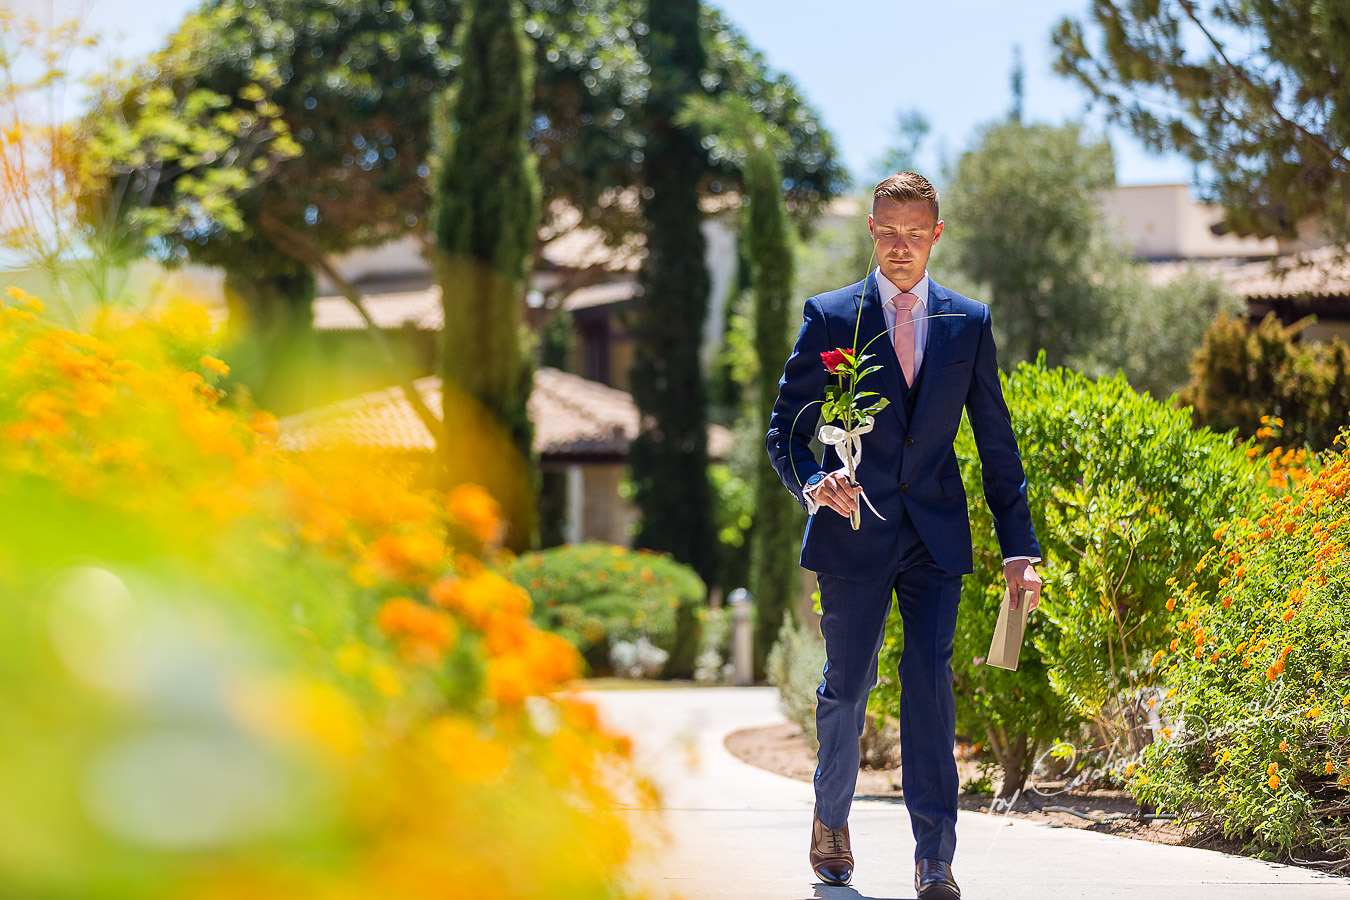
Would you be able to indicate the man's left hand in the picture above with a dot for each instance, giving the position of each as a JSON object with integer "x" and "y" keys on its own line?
{"x": 1021, "y": 575}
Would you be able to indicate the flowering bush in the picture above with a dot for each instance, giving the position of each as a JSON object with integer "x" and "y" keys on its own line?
{"x": 598, "y": 595}
{"x": 1253, "y": 731}
{"x": 1124, "y": 495}
{"x": 230, "y": 672}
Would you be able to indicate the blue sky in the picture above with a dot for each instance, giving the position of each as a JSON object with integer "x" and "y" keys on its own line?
{"x": 858, "y": 61}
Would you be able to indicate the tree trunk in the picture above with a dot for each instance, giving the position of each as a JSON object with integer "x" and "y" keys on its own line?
{"x": 1012, "y": 757}
{"x": 270, "y": 336}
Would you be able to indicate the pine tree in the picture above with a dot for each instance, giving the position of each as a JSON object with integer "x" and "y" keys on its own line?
{"x": 1252, "y": 91}
{"x": 485, "y": 211}
{"x": 669, "y": 458}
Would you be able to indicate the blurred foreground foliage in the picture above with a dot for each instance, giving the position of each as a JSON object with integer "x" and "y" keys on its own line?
{"x": 229, "y": 671}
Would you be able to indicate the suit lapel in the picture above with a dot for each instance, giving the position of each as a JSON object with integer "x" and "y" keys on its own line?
{"x": 873, "y": 335}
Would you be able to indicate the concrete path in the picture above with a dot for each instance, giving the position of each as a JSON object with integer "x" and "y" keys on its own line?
{"x": 736, "y": 831}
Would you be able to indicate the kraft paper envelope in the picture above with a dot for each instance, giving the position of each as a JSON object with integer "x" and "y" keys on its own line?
{"x": 1012, "y": 624}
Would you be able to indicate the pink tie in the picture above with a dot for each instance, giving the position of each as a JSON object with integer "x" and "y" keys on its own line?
{"x": 904, "y": 333}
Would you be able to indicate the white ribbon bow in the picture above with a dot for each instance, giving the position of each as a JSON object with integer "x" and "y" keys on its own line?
{"x": 848, "y": 444}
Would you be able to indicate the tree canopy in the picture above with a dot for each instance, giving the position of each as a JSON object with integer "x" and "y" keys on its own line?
{"x": 1253, "y": 91}
{"x": 1026, "y": 226}
{"x": 353, "y": 81}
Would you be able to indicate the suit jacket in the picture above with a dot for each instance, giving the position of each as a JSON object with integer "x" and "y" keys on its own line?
{"x": 909, "y": 463}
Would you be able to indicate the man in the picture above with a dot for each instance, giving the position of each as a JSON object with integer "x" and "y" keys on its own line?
{"x": 936, "y": 353}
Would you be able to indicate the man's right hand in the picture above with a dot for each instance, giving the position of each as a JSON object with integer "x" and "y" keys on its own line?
{"x": 836, "y": 493}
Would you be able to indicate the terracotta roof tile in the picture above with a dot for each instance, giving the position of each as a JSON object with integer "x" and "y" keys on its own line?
{"x": 572, "y": 416}
{"x": 380, "y": 420}
{"x": 1324, "y": 272}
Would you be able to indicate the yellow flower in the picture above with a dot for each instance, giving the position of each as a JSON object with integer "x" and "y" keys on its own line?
{"x": 383, "y": 679}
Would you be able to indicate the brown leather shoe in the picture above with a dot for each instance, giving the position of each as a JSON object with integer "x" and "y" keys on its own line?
{"x": 831, "y": 856}
{"x": 933, "y": 880}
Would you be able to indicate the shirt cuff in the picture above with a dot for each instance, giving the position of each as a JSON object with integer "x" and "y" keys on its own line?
{"x": 1031, "y": 559}
{"x": 811, "y": 503}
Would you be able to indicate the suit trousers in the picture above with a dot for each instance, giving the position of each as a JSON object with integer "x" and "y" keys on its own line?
{"x": 853, "y": 623}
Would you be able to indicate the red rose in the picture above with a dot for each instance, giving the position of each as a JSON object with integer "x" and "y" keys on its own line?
{"x": 834, "y": 359}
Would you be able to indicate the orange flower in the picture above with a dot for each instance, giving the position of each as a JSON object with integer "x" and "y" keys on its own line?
{"x": 211, "y": 364}
{"x": 408, "y": 557}
{"x": 422, "y": 634}
{"x": 484, "y": 600}
{"x": 1274, "y": 782}
{"x": 475, "y": 509}
{"x": 1284, "y": 748}
{"x": 1273, "y": 767}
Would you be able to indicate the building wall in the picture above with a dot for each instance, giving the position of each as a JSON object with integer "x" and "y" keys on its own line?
{"x": 605, "y": 516}
{"x": 1326, "y": 331}
{"x": 590, "y": 507}
{"x": 1160, "y": 221}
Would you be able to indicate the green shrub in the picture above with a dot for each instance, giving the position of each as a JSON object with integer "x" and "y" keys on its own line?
{"x": 794, "y": 666}
{"x": 1253, "y": 731}
{"x": 597, "y": 595}
{"x": 1242, "y": 374}
{"x": 1123, "y": 494}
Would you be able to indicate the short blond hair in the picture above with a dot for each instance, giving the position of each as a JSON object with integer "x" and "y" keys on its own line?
{"x": 907, "y": 187}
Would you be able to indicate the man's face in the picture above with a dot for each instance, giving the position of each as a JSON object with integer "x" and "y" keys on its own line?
{"x": 904, "y": 235}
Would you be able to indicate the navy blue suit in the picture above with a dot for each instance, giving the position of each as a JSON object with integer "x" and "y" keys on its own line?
{"x": 909, "y": 472}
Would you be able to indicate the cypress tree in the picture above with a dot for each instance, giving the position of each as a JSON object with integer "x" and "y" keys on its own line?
{"x": 767, "y": 238}
{"x": 485, "y": 210}
{"x": 777, "y": 529}
{"x": 669, "y": 458}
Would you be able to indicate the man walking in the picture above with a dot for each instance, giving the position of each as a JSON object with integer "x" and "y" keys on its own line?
{"x": 936, "y": 353}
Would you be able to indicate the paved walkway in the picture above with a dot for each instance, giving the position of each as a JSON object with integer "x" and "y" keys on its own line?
{"x": 740, "y": 832}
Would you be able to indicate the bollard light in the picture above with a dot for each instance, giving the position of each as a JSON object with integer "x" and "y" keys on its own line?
{"x": 742, "y": 646}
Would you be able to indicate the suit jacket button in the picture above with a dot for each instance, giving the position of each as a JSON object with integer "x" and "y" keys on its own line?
{"x": 909, "y": 442}
{"x": 904, "y": 487}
